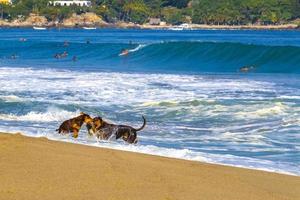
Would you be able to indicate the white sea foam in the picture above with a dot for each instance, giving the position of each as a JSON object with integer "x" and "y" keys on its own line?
{"x": 140, "y": 46}
{"x": 122, "y": 88}
{"x": 264, "y": 110}
{"x": 289, "y": 97}
{"x": 11, "y": 98}
{"x": 190, "y": 113}
{"x": 291, "y": 122}
{"x": 52, "y": 114}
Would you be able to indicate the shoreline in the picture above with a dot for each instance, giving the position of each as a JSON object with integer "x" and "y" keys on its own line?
{"x": 158, "y": 154}
{"x": 38, "y": 167}
{"x": 154, "y": 27}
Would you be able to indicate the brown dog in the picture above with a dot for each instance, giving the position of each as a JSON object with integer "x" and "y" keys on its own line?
{"x": 73, "y": 125}
{"x": 104, "y": 130}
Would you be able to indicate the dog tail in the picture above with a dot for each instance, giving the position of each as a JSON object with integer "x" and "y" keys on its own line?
{"x": 143, "y": 126}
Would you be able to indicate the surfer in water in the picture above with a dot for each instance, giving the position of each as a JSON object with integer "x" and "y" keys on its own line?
{"x": 246, "y": 69}
{"x": 61, "y": 55}
{"x": 124, "y": 52}
{"x": 64, "y": 54}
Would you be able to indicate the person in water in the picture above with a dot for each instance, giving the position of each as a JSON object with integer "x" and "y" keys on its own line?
{"x": 66, "y": 43}
{"x": 61, "y": 55}
{"x": 65, "y": 54}
{"x": 13, "y": 56}
{"x": 23, "y": 39}
{"x": 74, "y": 59}
{"x": 57, "y": 56}
{"x": 246, "y": 69}
{"x": 124, "y": 52}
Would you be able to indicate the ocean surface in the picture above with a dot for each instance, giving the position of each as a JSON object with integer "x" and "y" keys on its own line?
{"x": 187, "y": 84}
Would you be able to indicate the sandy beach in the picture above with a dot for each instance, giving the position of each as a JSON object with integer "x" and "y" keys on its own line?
{"x": 37, "y": 168}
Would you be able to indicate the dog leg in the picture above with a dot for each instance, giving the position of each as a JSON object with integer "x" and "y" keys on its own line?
{"x": 75, "y": 133}
{"x": 97, "y": 138}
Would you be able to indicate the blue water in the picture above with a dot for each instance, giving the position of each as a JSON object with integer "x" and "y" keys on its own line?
{"x": 187, "y": 84}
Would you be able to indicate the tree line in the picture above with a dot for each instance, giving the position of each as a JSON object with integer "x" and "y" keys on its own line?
{"x": 222, "y": 12}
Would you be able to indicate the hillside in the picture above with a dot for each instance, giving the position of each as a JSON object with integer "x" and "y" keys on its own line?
{"x": 217, "y": 12}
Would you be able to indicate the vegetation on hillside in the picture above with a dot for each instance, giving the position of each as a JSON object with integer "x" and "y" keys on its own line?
{"x": 228, "y": 12}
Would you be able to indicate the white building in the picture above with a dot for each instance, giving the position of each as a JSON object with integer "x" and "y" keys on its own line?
{"x": 70, "y": 3}
{"x": 5, "y": 2}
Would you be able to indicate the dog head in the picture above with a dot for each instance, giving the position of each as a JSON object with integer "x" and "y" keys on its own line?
{"x": 94, "y": 125}
{"x": 86, "y": 118}
{"x": 97, "y": 121}
{"x": 130, "y": 137}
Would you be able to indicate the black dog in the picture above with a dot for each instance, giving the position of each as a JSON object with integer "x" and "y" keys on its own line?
{"x": 74, "y": 125}
{"x": 105, "y": 130}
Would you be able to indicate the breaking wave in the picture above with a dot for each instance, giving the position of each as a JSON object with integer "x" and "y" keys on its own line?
{"x": 188, "y": 56}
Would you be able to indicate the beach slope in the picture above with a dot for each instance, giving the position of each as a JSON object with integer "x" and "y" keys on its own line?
{"x": 37, "y": 168}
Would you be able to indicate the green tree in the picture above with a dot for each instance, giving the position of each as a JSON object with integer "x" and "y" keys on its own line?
{"x": 231, "y": 12}
{"x": 136, "y": 11}
{"x": 173, "y": 15}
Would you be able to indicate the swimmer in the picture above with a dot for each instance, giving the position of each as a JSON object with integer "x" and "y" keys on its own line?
{"x": 74, "y": 59}
{"x": 57, "y": 56}
{"x": 22, "y": 39}
{"x": 246, "y": 69}
{"x": 13, "y": 56}
{"x": 66, "y": 43}
{"x": 61, "y": 55}
{"x": 65, "y": 54}
{"x": 88, "y": 41}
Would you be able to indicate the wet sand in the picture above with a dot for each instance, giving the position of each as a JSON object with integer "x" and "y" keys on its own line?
{"x": 37, "y": 168}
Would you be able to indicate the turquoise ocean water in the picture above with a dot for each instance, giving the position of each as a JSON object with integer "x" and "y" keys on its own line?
{"x": 186, "y": 83}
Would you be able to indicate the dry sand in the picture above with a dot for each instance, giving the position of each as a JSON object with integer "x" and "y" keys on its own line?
{"x": 36, "y": 168}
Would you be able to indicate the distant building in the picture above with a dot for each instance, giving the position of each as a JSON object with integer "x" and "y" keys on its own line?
{"x": 70, "y": 3}
{"x": 162, "y": 23}
{"x": 5, "y": 1}
{"x": 154, "y": 21}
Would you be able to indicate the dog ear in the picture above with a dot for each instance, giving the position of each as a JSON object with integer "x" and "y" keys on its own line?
{"x": 98, "y": 118}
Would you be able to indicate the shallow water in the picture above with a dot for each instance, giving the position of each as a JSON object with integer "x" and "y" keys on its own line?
{"x": 187, "y": 85}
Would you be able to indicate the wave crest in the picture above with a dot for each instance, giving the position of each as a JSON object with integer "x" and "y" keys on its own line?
{"x": 52, "y": 114}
